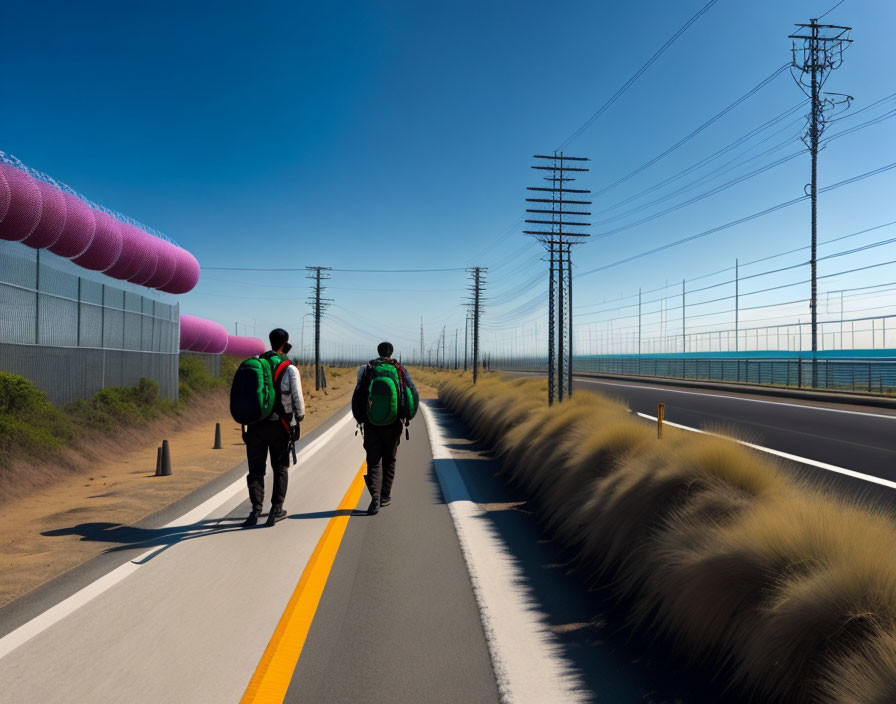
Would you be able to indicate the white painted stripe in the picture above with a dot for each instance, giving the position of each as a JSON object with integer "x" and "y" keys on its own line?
{"x": 67, "y": 606}
{"x": 525, "y": 654}
{"x": 739, "y": 398}
{"x": 785, "y": 455}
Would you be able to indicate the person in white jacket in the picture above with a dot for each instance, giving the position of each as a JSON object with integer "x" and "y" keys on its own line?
{"x": 273, "y": 436}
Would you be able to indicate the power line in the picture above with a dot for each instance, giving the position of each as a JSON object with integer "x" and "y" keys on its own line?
{"x": 728, "y": 147}
{"x": 724, "y": 186}
{"x": 354, "y": 271}
{"x": 625, "y": 86}
{"x": 612, "y": 304}
{"x": 739, "y": 221}
{"x": 832, "y": 9}
{"x": 697, "y": 131}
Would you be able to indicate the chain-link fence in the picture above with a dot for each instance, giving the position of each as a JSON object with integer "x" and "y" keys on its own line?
{"x": 210, "y": 362}
{"x": 73, "y": 335}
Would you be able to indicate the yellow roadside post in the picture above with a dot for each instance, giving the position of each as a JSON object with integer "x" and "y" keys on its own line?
{"x": 660, "y": 415}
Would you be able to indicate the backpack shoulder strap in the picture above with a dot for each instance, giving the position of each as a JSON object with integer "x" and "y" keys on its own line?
{"x": 280, "y": 369}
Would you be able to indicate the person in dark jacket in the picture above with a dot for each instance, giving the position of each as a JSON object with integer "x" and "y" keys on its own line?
{"x": 272, "y": 436}
{"x": 380, "y": 442}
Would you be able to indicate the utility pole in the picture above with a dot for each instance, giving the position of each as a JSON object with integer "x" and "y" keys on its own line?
{"x": 318, "y": 275}
{"x": 558, "y": 236}
{"x": 466, "y": 336}
{"x": 684, "y": 344}
{"x": 639, "y": 322}
{"x": 819, "y": 52}
{"x": 477, "y": 274}
{"x": 422, "y": 348}
{"x": 455, "y": 349}
{"x": 569, "y": 302}
{"x": 736, "y": 303}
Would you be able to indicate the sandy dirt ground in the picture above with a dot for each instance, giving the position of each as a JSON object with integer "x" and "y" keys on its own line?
{"x": 44, "y": 534}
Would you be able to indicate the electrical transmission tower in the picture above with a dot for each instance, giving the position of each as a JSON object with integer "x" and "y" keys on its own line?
{"x": 466, "y": 337}
{"x": 558, "y": 234}
{"x": 477, "y": 276}
{"x": 817, "y": 51}
{"x": 318, "y": 274}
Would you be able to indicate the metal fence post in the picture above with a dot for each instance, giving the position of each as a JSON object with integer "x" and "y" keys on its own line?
{"x": 37, "y": 299}
{"x": 78, "y": 321}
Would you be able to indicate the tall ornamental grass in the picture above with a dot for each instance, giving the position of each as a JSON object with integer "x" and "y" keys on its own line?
{"x": 786, "y": 588}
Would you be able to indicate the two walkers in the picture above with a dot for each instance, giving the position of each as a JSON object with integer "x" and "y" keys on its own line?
{"x": 266, "y": 399}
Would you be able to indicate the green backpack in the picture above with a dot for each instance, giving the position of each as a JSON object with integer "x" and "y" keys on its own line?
{"x": 254, "y": 393}
{"x": 388, "y": 398}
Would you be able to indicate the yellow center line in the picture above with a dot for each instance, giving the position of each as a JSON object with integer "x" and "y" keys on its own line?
{"x": 274, "y": 672}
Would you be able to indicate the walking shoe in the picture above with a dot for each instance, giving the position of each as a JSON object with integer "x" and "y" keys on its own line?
{"x": 278, "y": 513}
{"x": 252, "y": 519}
{"x": 385, "y": 501}
{"x": 374, "y": 507}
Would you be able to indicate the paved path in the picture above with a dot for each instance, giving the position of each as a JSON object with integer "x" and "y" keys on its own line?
{"x": 328, "y": 606}
{"x": 450, "y": 594}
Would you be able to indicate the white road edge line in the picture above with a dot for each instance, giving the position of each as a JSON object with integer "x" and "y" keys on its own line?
{"x": 785, "y": 455}
{"x": 525, "y": 655}
{"x": 738, "y": 398}
{"x": 67, "y": 606}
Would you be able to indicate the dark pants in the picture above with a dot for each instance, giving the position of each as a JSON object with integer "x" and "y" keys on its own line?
{"x": 262, "y": 438}
{"x": 381, "y": 444}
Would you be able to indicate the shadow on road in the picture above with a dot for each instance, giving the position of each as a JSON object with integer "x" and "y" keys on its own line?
{"x": 328, "y": 514}
{"x": 126, "y": 537}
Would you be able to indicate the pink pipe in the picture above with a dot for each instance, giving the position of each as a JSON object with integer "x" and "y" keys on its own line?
{"x": 148, "y": 267}
{"x": 41, "y": 216}
{"x": 105, "y": 249}
{"x": 167, "y": 263}
{"x": 186, "y": 274}
{"x": 52, "y": 218}
{"x": 25, "y": 204}
{"x": 133, "y": 251}
{"x": 201, "y": 335}
{"x": 5, "y": 196}
{"x": 78, "y": 230}
{"x": 240, "y": 346}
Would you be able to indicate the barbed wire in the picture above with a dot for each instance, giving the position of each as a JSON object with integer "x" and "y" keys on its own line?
{"x": 65, "y": 188}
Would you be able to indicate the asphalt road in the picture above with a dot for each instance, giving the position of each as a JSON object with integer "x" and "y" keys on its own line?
{"x": 452, "y": 593}
{"x": 186, "y": 606}
{"x": 854, "y": 437}
{"x": 398, "y": 621}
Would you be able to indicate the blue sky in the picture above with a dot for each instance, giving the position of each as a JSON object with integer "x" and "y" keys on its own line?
{"x": 400, "y": 135}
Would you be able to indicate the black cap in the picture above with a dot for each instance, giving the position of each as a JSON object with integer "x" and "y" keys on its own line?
{"x": 277, "y": 337}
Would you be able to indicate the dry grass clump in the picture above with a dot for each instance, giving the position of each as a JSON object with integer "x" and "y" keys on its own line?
{"x": 788, "y": 589}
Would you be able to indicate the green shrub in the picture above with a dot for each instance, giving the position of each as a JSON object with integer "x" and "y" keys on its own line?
{"x": 28, "y": 421}
{"x": 116, "y": 406}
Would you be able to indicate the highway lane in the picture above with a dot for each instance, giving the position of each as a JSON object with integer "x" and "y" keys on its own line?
{"x": 398, "y": 621}
{"x": 189, "y": 610}
{"x": 858, "y": 438}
